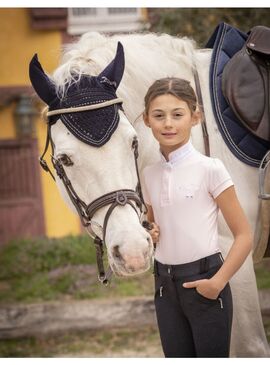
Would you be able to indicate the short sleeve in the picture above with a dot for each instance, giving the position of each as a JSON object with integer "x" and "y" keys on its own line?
{"x": 219, "y": 178}
{"x": 145, "y": 193}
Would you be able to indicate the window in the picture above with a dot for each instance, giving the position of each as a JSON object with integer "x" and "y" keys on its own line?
{"x": 109, "y": 20}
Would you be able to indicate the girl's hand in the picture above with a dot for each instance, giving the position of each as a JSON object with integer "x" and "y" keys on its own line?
{"x": 154, "y": 232}
{"x": 208, "y": 288}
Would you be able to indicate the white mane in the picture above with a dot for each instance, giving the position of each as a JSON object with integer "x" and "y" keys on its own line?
{"x": 94, "y": 51}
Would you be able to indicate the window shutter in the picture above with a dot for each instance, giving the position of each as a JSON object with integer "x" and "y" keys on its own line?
{"x": 49, "y": 18}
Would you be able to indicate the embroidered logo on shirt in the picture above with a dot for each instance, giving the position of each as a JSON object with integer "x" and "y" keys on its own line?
{"x": 189, "y": 190}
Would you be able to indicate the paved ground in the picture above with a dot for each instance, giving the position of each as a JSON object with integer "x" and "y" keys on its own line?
{"x": 149, "y": 352}
{"x": 139, "y": 341}
{"x": 152, "y": 349}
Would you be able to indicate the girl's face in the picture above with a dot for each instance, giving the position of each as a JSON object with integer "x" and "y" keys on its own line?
{"x": 171, "y": 121}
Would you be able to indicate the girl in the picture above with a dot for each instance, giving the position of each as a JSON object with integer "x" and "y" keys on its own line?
{"x": 184, "y": 192}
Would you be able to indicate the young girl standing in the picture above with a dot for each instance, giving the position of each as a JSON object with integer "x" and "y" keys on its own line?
{"x": 184, "y": 192}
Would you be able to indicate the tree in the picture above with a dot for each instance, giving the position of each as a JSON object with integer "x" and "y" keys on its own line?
{"x": 199, "y": 23}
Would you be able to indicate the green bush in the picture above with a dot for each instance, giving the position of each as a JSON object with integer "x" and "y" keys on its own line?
{"x": 65, "y": 268}
{"x": 262, "y": 271}
{"x": 199, "y": 23}
{"x": 57, "y": 269}
{"x": 26, "y": 257}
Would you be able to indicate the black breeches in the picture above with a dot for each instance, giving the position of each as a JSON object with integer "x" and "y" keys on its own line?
{"x": 190, "y": 324}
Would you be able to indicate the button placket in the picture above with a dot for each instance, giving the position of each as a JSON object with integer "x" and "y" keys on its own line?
{"x": 165, "y": 186}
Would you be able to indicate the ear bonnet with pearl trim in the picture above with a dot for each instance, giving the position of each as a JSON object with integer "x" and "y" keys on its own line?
{"x": 95, "y": 126}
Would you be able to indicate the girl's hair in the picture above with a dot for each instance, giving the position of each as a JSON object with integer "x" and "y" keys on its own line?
{"x": 177, "y": 87}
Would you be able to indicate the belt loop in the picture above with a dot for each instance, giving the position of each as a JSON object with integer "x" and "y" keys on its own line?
{"x": 207, "y": 264}
{"x": 221, "y": 257}
{"x": 204, "y": 265}
{"x": 156, "y": 268}
{"x": 170, "y": 271}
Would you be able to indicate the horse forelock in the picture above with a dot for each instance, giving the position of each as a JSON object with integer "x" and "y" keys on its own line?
{"x": 94, "y": 51}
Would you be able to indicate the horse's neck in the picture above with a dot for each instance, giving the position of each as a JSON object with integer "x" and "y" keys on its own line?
{"x": 148, "y": 58}
{"x": 167, "y": 61}
{"x": 136, "y": 81}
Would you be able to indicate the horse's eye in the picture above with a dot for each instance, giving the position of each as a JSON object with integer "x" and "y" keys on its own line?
{"x": 65, "y": 160}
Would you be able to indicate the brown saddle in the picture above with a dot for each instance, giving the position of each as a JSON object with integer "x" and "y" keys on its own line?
{"x": 246, "y": 83}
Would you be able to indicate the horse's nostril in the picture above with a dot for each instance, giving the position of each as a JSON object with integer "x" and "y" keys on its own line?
{"x": 150, "y": 243}
{"x": 116, "y": 252}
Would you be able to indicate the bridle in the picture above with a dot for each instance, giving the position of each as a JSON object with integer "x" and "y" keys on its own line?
{"x": 116, "y": 198}
{"x": 113, "y": 199}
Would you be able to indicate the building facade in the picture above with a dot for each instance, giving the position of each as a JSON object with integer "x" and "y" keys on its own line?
{"x": 30, "y": 203}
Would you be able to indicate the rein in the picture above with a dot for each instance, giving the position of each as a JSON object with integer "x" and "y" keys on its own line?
{"x": 203, "y": 121}
{"x": 114, "y": 199}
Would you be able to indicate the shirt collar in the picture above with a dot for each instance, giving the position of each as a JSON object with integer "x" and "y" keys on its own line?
{"x": 179, "y": 154}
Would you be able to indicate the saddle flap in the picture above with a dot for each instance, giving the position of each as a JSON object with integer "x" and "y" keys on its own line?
{"x": 258, "y": 40}
{"x": 246, "y": 146}
{"x": 245, "y": 83}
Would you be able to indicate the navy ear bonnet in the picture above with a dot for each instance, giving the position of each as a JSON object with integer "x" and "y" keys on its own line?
{"x": 94, "y": 127}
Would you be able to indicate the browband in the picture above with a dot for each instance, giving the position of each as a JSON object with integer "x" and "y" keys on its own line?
{"x": 84, "y": 108}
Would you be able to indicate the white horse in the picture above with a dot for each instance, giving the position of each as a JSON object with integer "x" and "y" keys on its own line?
{"x": 98, "y": 171}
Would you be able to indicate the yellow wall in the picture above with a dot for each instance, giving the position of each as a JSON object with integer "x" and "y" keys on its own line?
{"x": 7, "y": 129}
{"x": 144, "y": 13}
{"x": 18, "y": 43}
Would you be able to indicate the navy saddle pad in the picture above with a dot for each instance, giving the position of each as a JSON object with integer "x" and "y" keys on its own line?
{"x": 225, "y": 42}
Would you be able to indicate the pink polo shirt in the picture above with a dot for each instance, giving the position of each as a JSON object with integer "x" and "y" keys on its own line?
{"x": 181, "y": 193}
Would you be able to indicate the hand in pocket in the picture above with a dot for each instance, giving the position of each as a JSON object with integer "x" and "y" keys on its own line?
{"x": 205, "y": 287}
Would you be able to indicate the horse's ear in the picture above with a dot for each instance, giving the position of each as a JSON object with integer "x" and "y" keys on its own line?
{"x": 42, "y": 84}
{"x": 113, "y": 73}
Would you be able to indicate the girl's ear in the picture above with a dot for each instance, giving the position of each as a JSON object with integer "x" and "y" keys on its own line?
{"x": 146, "y": 120}
{"x": 196, "y": 117}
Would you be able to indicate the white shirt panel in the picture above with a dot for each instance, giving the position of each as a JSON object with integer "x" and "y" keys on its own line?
{"x": 181, "y": 193}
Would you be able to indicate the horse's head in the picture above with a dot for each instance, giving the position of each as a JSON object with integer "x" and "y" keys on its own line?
{"x": 94, "y": 154}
